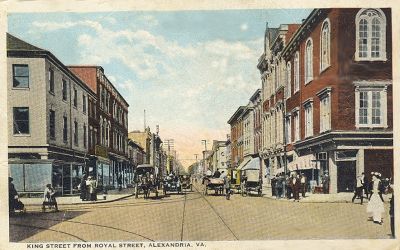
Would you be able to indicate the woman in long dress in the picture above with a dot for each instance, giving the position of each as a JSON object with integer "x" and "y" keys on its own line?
{"x": 375, "y": 205}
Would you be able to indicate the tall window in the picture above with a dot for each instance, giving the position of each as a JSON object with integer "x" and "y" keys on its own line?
{"x": 371, "y": 107}
{"x": 296, "y": 120}
{"x": 84, "y": 136}
{"x": 370, "y": 35}
{"x": 84, "y": 103}
{"x": 288, "y": 80}
{"x": 65, "y": 129}
{"x": 325, "y": 113}
{"x": 21, "y": 120}
{"x": 325, "y": 45}
{"x": 52, "y": 126}
{"x": 75, "y": 97}
{"x": 308, "y": 63}
{"x": 64, "y": 90}
{"x": 76, "y": 132}
{"x": 20, "y": 76}
{"x": 296, "y": 72}
{"x": 308, "y": 121}
{"x": 288, "y": 130}
{"x": 51, "y": 80}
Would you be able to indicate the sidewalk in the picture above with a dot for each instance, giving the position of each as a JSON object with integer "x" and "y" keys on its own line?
{"x": 321, "y": 198}
{"x": 113, "y": 195}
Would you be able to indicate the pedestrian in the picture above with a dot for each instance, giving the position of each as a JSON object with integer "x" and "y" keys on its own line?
{"x": 295, "y": 183}
{"x": 391, "y": 211}
{"x": 92, "y": 185}
{"x": 375, "y": 205}
{"x": 12, "y": 195}
{"x": 359, "y": 189}
{"x": 119, "y": 181}
{"x": 365, "y": 184}
{"x": 325, "y": 183}
{"x": 49, "y": 197}
{"x": 273, "y": 185}
{"x": 288, "y": 187}
{"x": 83, "y": 188}
{"x": 278, "y": 185}
{"x": 303, "y": 185}
{"x": 284, "y": 185}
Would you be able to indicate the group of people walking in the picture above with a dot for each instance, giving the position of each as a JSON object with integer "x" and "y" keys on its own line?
{"x": 88, "y": 187}
{"x": 289, "y": 186}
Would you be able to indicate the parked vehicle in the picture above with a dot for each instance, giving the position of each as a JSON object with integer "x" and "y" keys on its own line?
{"x": 146, "y": 181}
{"x": 251, "y": 182}
{"x": 216, "y": 184}
{"x": 172, "y": 183}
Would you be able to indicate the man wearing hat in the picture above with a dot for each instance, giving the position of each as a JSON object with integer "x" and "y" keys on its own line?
{"x": 12, "y": 192}
{"x": 359, "y": 189}
{"x": 303, "y": 185}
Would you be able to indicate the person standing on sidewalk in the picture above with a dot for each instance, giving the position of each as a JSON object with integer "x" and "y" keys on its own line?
{"x": 365, "y": 184}
{"x": 295, "y": 183}
{"x": 375, "y": 205}
{"x": 273, "y": 185}
{"x": 288, "y": 187}
{"x": 279, "y": 187}
{"x": 83, "y": 188}
{"x": 303, "y": 185}
{"x": 325, "y": 183}
{"x": 92, "y": 185}
{"x": 359, "y": 189}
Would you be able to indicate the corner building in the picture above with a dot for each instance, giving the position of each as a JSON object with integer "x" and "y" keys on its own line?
{"x": 338, "y": 97}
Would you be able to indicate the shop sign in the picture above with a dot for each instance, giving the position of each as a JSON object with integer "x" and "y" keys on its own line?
{"x": 101, "y": 151}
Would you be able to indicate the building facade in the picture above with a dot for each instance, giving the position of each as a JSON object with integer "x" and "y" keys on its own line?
{"x": 219, "y": 156}
{"x": 110, "y": 158}
{"x": 49, "y": 122}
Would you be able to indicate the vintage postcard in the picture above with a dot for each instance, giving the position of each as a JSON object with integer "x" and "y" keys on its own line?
{"x": 199, "y": 125}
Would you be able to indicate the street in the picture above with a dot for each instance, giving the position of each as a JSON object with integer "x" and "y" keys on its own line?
{"x": 193, "y": 217}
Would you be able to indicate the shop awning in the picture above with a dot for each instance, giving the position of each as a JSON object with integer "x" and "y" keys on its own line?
{"x": 303, "y": 162}
{"x": 253, "y": 164}
{"x": 243, "y": 163}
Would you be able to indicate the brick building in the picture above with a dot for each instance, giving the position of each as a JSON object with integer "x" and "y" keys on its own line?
{"x": 109, "y": 128}
{"x": 338, "y": 80}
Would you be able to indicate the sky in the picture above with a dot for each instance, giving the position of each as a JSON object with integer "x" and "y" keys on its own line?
{"x": 190, "y": 70}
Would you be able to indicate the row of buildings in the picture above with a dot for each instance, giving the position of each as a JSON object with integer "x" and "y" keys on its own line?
{"x": 325, "y": 102}
{"x": 67, "y": 121}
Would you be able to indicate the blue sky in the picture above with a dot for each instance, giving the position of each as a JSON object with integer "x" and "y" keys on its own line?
{"x": 190, "y": 70}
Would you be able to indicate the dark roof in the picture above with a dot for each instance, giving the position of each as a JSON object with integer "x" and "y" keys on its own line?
{"x": 14, "y": 43}
{"x": 237, "y": 113}
{"x": 272, "y": 34}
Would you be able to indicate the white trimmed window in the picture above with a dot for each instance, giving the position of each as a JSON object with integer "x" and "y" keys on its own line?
{"x": 371, "y": 106}
{"x": 370, "y": 35}
{"x": 288, "y": 129}
{"x": 308, "y": 61}
{"x": 296, "y": 120}
{"x": 325, "y": 45}
{"x": 296, "y": 72}
{"x": 325, "y": 110}
{"x": 288, "y": 80}
{"x": 308, "y": 118}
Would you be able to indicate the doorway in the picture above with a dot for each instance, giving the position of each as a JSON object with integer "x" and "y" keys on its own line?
{"x": 346, "y": 176}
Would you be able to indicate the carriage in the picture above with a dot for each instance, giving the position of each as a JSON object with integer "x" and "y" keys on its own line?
{"x": 172, "y": 184}
{"x": 146, "y": 180}
{"x": 216, "y": 184}
{"x": 186, "y": 182}
{"x": 251, "y": 181}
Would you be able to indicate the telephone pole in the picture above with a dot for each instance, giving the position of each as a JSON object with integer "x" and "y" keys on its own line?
{"x": 204, "y": 155}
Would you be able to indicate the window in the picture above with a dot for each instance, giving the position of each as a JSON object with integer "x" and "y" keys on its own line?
{"x": 76, "y": 132}
{"x": 288, "y": 80}
{"x": 75, "y": 97}
{"x": 370, "y": 35}
{"x": 308, "y": 64}
{"x": 371, "y": 106}
{"x": 64, "y": 90}
{"x": 20, "y": 76}
{"x": 65, "y": 129}
{"x": 84, "y": 103}
{"x": 296, "y": 120}
{"x": 51, "y": 80}
{"x": 52, "y": 126}
{"x": 21, "y": 120}
{"x": 84, "y": 136}
{"x": 296, "y": 72}
{"x": 308, "y": 121}
{"x": 325, "y": 113}
{"x": 325, "y": 45}
{"x": 288, "y": 130}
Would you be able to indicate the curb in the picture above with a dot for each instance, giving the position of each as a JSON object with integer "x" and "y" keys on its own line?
{"x": 88, "y": 203}
{"x": 306, "y": 201}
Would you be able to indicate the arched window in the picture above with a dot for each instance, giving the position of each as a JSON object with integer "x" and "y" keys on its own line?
{"x": 308, "y": 61}
{"x": 325, "y": 45}
{"x": 296, "y": 72}
{"x": 288, "y": 80}
{"x": 370, "y": 35}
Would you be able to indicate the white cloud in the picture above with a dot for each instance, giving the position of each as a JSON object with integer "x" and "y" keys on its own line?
{"x": 244, "y": 27}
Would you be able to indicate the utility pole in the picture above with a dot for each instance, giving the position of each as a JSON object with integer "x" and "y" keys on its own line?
{"x": 204, "y": 155}
{"x": 197, "y": 164}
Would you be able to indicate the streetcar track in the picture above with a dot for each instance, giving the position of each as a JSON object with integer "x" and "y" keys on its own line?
{"x": 97, "y": 225}
{"x": 183, "y": 217}
{"x": 48, "y": 229}
{"x": 219, "y": 216}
